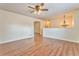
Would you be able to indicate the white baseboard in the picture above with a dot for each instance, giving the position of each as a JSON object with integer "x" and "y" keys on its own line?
{"x": 11, "y": 40}
{"x": 32, "y": 36}
{"x": 62, "y": 39}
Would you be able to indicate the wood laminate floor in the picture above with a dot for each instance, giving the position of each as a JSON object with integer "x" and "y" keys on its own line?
{"x": 45, "y": 47}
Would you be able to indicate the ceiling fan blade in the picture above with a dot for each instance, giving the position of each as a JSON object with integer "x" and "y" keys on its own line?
{"x": 44, "y": 9}
{"x": 31, "y": 7}
{"x": 42, "y": 4}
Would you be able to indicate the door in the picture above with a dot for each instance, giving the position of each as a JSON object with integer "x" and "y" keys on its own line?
{"x": 37, "y": 33}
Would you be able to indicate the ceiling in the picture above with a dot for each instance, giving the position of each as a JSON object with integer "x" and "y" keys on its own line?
{"x": 53, "y": 8}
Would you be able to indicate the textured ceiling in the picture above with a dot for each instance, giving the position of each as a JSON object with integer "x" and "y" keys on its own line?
{"x": 53, "y": 8}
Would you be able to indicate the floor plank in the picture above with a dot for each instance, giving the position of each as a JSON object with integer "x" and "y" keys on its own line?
{"x": 48, "y": 47}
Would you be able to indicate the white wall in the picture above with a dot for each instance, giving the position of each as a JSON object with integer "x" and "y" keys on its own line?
{"x": 15, "y": 26}
{"x": 65, "y": 34}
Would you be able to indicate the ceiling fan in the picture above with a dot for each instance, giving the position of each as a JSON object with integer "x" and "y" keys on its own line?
{"x": 37, "y": 9}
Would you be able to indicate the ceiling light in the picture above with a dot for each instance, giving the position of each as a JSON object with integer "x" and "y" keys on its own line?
{"x": 65, "y": 24}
